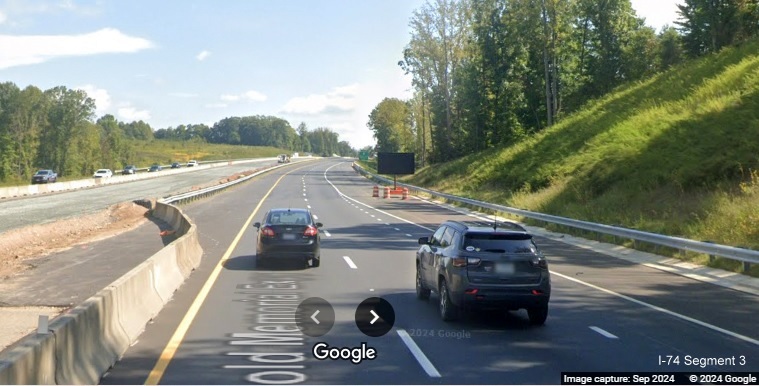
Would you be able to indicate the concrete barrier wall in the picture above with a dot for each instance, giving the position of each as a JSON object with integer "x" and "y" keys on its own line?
{"x": 85, "y": 342}
{"x": 29, "y": 190}
{"x": 31, "y": 362}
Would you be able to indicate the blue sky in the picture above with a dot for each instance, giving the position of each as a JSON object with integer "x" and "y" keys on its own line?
{"x": 323, "y": 62}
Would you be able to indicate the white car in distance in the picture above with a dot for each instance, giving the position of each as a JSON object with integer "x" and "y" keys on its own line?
{"x": 102, "y": 173}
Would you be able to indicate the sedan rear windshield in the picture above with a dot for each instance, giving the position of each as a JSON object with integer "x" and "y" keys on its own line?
{"x": 499, "y": 242}
{"x": 289, "y": 218}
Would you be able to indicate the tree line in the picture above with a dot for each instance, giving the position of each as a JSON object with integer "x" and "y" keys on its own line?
{"x": 56, "y": 129}
{"x": 489, "y": 73}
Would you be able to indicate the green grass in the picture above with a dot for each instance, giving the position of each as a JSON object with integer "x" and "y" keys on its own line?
{"x": 675, "y": 154}
{"x": 164, "y": 152}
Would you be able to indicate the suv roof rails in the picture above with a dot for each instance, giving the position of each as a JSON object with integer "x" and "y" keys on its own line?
{"x": 507, "y": 225}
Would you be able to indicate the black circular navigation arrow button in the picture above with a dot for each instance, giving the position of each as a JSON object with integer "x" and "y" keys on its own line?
{"x": 375, "y": 317}
{"x": 315, "y": 317}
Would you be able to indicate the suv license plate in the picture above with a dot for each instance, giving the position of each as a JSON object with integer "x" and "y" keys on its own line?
{"x": 507, "y": 268}
{"x": 288, "y": 236}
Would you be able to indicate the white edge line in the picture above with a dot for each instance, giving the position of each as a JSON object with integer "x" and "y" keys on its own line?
{"x": 350, "y": 262}
{"x": 368, "y": 206}
{"x": 664, "y": 310}
{"x": 428, "y": 367}
{"x": 603, "y": 332}
{"x": 636, "y": 301}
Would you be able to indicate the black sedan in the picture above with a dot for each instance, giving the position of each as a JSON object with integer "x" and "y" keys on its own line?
{"x": 288, "y": 234}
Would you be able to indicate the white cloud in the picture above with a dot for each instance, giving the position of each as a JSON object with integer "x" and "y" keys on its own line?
{"x": 252, "y": 96}
{"x": 340, "y": 100}
{"x": 657, "y": 13}
{"x": 33, "y": 49}
{"x": 129, "y": 114}
{"x": 203, "y": 55}
{"x": 230, "y": 98}
{"x": 101, "y": 97}
{"x": 216, "y": 106}
{"x": 3, "y": 18}
{"x": 183, "y": 95}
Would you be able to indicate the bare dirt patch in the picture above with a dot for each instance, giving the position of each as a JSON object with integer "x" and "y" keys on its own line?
{"x": 19, "y": 245}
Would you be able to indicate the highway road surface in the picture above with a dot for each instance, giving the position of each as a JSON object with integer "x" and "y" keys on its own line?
{"x": 39, "y": 209}
{"x": 233, "y": 322}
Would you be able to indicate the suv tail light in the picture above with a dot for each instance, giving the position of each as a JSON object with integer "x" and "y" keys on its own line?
{"x": 464, "y": 261}
{"x": 539, "y": 262}
{"x": 267, "y": 231}
{"x": 311, "y": 231}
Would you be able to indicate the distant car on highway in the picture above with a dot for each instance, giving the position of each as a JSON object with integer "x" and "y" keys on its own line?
{"x": 44, "y": 176}
{"x": 129, "y": 169}
{"x": 472, "y": 265}
{"x": 283, "y": 158}
{"x": 192, "y": 163}
{"x": 176, "y": 165}
{"x": 103, "y": 173}
{"x": 155, "y": 168}
{"x": 288, "y": 234}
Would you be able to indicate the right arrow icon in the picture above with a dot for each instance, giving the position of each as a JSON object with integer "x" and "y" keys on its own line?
{"x": 375, "y": 317}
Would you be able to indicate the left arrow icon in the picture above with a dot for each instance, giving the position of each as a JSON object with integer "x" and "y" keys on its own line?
{"x": 313, "y": 317}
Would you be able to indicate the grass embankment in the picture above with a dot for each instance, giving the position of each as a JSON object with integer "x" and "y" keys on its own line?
{"x": 676, "y": 154}
{"x": 164, "y": 152}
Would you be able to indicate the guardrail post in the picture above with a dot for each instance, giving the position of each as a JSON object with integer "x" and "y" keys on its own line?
{"x": 712, "y": 258}
{"x": 746, "y": 266}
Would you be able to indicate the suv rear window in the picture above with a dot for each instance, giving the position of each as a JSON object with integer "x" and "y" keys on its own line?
{"x": 499, "y": 242}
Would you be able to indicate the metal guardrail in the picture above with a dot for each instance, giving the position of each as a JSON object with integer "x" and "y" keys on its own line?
{"x": 747, "y": 256}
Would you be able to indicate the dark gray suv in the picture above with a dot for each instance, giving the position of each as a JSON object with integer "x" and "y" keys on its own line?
{"x": 474, "y": 265}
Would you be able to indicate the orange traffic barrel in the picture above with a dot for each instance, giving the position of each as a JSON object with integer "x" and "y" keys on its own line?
{"x": 386, "y": 192}
{"x": 405, "y": 194}
{"x": 375, "y": 191}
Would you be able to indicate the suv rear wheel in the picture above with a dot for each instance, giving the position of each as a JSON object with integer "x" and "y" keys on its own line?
{"x": 422, "y": 293}
{"x": 447, "y": 309}
{"x": 538, "y": 315}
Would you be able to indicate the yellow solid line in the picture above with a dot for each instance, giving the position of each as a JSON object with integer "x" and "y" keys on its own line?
{"x": 171, "y": 348}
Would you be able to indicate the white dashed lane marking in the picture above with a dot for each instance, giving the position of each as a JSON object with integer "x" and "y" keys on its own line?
{"x": 603, "y": 332}
{"x": 350, "y": 262}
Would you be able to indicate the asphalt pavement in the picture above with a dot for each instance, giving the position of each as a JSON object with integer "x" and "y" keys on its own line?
{"x": 605, "y": 314}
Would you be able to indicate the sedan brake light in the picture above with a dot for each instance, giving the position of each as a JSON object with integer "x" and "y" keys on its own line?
{"x": 311, "y": 231}
{"x": 267, "y": 231}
